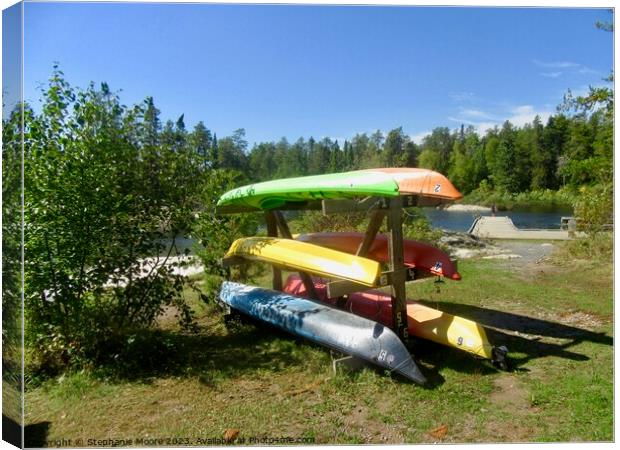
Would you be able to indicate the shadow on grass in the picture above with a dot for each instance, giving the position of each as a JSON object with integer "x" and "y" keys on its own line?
{"x": 213, "y": 355}
{"x": 532, "y": 348}
{"x": 35, "y": 435}
{"x": 209, "y": 357}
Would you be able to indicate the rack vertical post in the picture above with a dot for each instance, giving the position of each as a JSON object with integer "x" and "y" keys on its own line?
{"x": 397, "y": 267}
{"x": 272, "y": 231}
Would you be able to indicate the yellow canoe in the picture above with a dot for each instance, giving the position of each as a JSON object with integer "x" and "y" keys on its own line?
{"x": 453, "y": 331}
{"x": 423, "y": 321}
{"x": 300, "y": 256}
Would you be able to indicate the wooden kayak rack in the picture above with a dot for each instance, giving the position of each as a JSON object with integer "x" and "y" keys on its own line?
{"x": 381, "y": 208}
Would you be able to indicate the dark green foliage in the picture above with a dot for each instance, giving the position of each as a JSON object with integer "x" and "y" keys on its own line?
{"x": 231, "y": 152}
{"x": 215, "y": 233}
{"x": 11, "y": 261}
{"x": 441, "y": 142}
{"x": 106, "y": 188}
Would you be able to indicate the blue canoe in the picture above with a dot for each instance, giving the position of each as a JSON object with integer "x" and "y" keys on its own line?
{"x": 325, "y": 325}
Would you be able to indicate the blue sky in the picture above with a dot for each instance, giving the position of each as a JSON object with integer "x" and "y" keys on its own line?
{"x": 322, "y": 70}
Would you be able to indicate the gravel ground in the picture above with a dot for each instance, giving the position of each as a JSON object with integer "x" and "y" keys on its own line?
{"x": 530, "y": 251}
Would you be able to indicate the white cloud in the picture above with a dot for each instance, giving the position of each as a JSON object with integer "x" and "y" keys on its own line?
{"x": 462, "y": 120}
{"x": 571, "y": 66}
{"x": 419, "y": 137}
{"x": 556, "y": 64}
{"x": 526, "y": 114}
{"x": 551, "y": 74}
{"x": 462, "y": 96}
{"x": 474, "y": 113}
{"x": 587, "y": 71}
{"x": 482, "y": 127}
{"x": 518, "y": 116}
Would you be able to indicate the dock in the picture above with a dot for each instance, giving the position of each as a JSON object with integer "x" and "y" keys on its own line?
{"x": 501, "y": 227}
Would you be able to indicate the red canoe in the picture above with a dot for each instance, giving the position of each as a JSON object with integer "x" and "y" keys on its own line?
{"x": 417, "y": 254}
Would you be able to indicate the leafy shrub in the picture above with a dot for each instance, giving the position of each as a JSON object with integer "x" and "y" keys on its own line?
{"x": 102, "y": 194}
{"x": 415, "y": 224}
{"x": 508, "y": 201}
{"x": 316, "y": 221}
{"x": 215, "y": 233}
{"x": 594, "y": 207}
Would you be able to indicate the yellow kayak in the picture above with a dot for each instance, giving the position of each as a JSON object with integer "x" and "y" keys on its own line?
{"x": 300, "y": 256}
{"x": 424, "y": 322}
{"x": 453, "y": 331}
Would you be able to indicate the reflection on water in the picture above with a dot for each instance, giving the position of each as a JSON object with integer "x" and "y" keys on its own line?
{"x": 462, "y": 220}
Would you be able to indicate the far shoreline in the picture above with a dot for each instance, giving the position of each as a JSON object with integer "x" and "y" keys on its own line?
{"x": 466, "y": 207}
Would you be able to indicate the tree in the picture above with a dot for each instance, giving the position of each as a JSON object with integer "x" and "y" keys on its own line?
{"x": 524, "y": 145}
{"x": 393, "y": 154}
{"x": 231, "y": 152}
{"x": 440, "y": 141}
{"x": 540, "y": 157}
{"x": 504, "y": 176}
{"x": 335, "y": 157}
{"x": 555, "y": 136}
{"x": 430, "y": 159}
{"x": 460, "y": 171}
{"x": 201, "y": 142}
{"x": 262, "y": 161}
{"x": 92, "y": 216}
{"x": 11, "y": 245}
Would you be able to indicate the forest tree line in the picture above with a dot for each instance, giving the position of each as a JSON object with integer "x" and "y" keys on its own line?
{"x": 567, "y": 150}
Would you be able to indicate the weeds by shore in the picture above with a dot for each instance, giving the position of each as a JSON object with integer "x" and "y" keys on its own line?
{"x": 544, "y": 199}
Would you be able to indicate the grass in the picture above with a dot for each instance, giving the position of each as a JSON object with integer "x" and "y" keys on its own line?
{"x": 555, "y": 319}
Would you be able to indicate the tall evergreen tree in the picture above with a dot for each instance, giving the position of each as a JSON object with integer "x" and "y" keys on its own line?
{"x": 393, "y": 154}
{"x": 440, "y": 141}
{"x": 200, "y": 141}
{"x": 504, "y": 175}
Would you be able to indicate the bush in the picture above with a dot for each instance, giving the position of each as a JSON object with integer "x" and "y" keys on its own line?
{"x": 415, "y": 224}
{"x": 316, "y": 221}
{"x": 215, "y": 233}
{"x": 102, "y": 194}
{"x": 508, "y": 201}
{"x": 594, "y": 207}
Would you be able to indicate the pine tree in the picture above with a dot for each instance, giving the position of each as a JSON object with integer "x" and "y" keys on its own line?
{"x": 504, "y": 174}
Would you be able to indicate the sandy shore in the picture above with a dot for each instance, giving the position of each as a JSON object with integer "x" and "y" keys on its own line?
{"x": 191, "y": 267}
{"x": 473, "y": 208}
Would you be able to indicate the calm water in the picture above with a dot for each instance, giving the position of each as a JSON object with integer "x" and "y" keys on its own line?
{"x": 462, "y": 220}
{"x": 451, "y": 221}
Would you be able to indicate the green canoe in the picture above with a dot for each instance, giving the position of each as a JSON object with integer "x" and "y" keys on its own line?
{"x": 383, "y": 182}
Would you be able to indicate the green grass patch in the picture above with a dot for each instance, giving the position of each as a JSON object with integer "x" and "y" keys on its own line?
{"x": 555, "y": 319}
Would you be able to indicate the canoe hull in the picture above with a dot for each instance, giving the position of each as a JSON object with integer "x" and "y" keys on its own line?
{"x": 424, "y": 322}
{"x": 325, "y": 325}
{"x": 422, "y": 256}
{"x": 305, "y": 257}
{"x": 383, "y": 182}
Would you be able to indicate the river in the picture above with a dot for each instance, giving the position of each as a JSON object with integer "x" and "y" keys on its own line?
{"x": 548, "y": 218}
{"x": 452, "y": 221}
